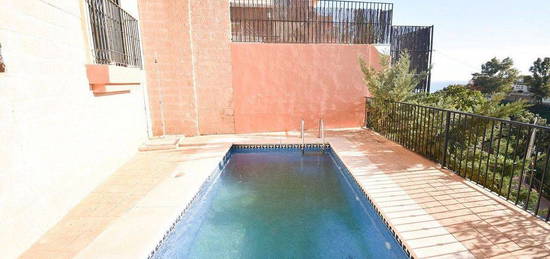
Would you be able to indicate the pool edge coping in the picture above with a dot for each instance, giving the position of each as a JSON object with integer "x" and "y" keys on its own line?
{"x": 221, "y": 165}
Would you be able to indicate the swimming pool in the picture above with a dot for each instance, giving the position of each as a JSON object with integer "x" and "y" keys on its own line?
{"x": 280, "y": 203}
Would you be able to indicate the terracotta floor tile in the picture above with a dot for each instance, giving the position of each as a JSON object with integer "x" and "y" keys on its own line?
{"x": 467, "y": 235}
{"x": 445, "y": 250}
{"x": 509, "y": 246}
{"x": 478, "y": 242}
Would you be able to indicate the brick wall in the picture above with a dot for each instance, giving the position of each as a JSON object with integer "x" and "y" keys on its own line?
{"x": 193, "y": 77}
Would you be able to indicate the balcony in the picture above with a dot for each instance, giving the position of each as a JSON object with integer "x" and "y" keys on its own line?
{"x": 115, "y": 34}
{"x": 116, "y": 49}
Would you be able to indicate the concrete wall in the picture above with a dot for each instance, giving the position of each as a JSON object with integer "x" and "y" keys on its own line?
{"x": 277, "y": 85}
{"x": 58, "y": 140}
{"x": 193, "y": 75}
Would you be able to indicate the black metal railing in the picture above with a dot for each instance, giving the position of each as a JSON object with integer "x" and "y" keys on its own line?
{"x": 115, "y": 34}
{"x": 418, "y": 42}
{"x": 507, "y": 157}
{"x": 311, "y": 21}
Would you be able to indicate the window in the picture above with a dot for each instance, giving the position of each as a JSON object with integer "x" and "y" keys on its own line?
{"x": 115, "y": 34}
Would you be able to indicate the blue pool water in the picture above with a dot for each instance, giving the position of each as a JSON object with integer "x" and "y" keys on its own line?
{"x": 274, "y": 203}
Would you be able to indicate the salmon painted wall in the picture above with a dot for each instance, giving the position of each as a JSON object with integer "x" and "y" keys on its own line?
{"x": 190, "y": 39}
{"x": 211, "y": 39}
{"x": 277, "y": 85}
{"x": 165, "y": 35}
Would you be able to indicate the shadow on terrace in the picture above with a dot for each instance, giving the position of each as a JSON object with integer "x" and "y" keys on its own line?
{"x": 426, "y": 203}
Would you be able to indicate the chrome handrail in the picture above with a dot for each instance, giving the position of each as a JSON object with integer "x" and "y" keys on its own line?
{"x": 302, "y": 134}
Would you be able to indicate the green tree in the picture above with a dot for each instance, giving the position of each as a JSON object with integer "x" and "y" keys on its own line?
{"x": 488, "y": 152}
{"x": 496, "y": 76}
{"x": 539, "y": 82}
{"x": 393, "y": 82}
{"x": 463, "y": 98}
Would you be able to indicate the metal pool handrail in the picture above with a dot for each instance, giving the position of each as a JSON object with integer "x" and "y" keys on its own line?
{"x": 302, "y": 134}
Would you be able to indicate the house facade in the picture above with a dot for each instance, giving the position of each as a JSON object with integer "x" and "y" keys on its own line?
{"x": 69, "y": 117}
{"x": 84, "y": 83}
{"x": 520, "y": 91}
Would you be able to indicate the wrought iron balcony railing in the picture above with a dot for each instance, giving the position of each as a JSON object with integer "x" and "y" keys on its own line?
{"x": 311, "y": 21}
{"x": 418, "y": 42}
{"x": 509, "y": 158}
{"x": 115, "y": 34}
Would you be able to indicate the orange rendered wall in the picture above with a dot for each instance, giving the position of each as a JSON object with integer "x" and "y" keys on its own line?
{"x": 277, "y": 85}
{"x": 191, "y": 40}
{"x": 165, "y": 35}
{"x": 211, "y": 39}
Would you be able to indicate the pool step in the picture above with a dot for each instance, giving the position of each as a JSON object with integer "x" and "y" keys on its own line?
{"x": 161, "y": 143}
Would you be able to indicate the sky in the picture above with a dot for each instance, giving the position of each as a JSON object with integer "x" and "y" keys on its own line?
{"x": 468, "y": 33}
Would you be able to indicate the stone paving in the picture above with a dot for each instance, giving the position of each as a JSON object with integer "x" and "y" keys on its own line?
{"x": 436, "y": 213}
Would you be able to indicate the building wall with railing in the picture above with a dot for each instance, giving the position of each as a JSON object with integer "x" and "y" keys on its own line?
{"x": 59, "y": 139}
{"x": 211, "y": 78}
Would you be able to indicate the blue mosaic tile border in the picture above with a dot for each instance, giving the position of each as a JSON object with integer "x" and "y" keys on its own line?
{"x": 279, "y": 146}
{"x": 202, "y": 190}
{"x": 343, "y": 168}
{"x": 317, "y": 147}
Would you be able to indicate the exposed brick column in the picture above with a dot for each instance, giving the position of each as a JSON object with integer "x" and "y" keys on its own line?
{"x": 211, "y": 39}
{"x": 193, "y": 77}
{"x": 165, "y": 33}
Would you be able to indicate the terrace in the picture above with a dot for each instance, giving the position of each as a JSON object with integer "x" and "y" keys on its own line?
{"x": 433, "y": 211}
{"x": 442, "y": 183}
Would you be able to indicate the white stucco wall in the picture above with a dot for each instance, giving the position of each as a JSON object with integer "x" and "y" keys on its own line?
{"x": 57, "y": 140}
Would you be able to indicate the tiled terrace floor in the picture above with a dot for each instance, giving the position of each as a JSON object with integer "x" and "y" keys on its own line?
{"x": 435, "y": 212}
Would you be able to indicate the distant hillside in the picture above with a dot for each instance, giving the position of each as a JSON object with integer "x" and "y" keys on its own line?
{"x": 438, "y": 85}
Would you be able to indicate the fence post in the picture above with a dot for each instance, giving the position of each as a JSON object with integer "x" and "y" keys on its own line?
{"x": 366, "y": 112}
{"x": 446, "y": 145}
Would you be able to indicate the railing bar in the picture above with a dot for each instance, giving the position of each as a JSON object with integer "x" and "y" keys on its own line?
{"x": 474, "y": 142}
{"x": 408, "y": 126}
{"x": 447, "y": 137}
{"x": 545, "y": 170}
{"x": 501, "y": 126}
{"x": 503, "y": 172}
{"x": 489, "y": 151}
{"x": 436, "y": 130}
{"x": 399, "y": 121}
{"x": 481, "y": 156}
{"x": 514, "y": 163}
{"x": 520, "y": 182}
{"x": 474, "y": 158}
{"x": 423, "y": 131}
{"x": 464, "y": 148}
{"x": 532, "y": 173}
{"x": 394, "y": 122}
{"x": 419, "y": 129}
{"x": 429, "y": 134}
{"x": 487, "y": 117}
{"x": 389, "y": 133}
{"x": 403, "y": 129}
{"x": 433, "y": 136}
{"x": 415, "y": 128}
